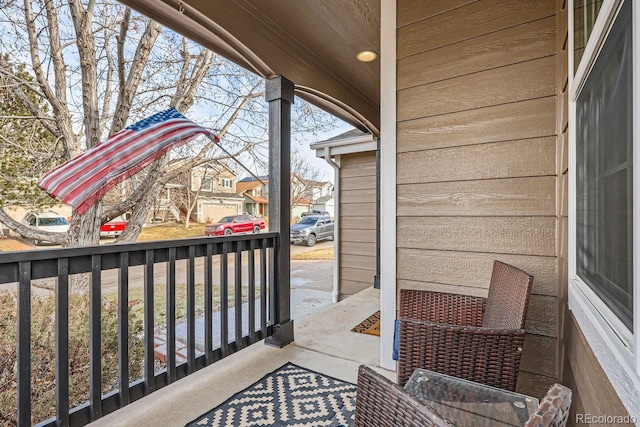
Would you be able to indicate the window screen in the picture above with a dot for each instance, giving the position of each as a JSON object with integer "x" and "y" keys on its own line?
{"x": 585, "y": 13}
{"x": 604, "y": 232}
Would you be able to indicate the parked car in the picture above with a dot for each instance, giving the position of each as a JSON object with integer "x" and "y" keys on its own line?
{"x": 314, "y": 212}
{"x": 113, "y": 228}
{"x": 46, "y": 221}
{"x": 235, "y": 224}
{"x": 311, "y": 228}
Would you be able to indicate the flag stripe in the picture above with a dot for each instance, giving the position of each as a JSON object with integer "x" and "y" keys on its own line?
{"x": 98, "y": 167}
{"x": 127, "y": 160}
{"x": 102, "y": 152}
{"x": 82, "y": 181}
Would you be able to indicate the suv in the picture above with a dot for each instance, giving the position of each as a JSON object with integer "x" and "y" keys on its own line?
{"x": 314, "y": 212}
{"x": 310, "y": 229}
{"x": 46, "y": 221}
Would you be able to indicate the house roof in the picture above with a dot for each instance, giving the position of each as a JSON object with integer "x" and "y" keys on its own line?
{"x": 242, "y": 186}
{"x": 256, "y": 199}
{"x": 312, "y": 43}
{"x": 323, "y": 199}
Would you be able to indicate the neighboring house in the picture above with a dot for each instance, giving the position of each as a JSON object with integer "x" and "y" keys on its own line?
{"x": 209, "y": 190}
{"x": 325, "y": 204}
{"x": 255, "y": 195}
{"x": 303, "y": 194}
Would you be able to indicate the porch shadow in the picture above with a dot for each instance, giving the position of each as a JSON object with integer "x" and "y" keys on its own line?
{"x": 323, "y": 343}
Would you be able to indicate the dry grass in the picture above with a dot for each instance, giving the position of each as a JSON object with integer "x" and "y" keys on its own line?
{"x": 13, "y": 244}
{"x": 316, "y": 254}
{"x": 170, "y": 232}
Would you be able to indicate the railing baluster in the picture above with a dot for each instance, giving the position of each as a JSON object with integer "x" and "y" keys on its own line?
{"x": 149, "y": 382}
{"x": 224, "y": 300}
{"x": 123, "y": 329}
{"x": 263, "y": 287}
{"x": 191, "y": 311}
{"x": 95, "y": 338}
{"x": 273, "y": 287}
{"x": 252, "y": 291}
{"x": 208, "y": 309}
{"x": 24, "y": 344}
{"x": 62, "y": 343}
{"x": 171, "y": 316}
{"x": 238, "y": 299}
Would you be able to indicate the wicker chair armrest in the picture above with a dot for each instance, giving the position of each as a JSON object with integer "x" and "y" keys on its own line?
{"x": 381, "y": 403}
{"x": 554, "y": 408}
{"x": 440, "y": 307}
{"x": 484, "y": 355}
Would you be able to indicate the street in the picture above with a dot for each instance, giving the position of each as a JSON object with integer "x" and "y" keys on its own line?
{"x": 311, "y": 281}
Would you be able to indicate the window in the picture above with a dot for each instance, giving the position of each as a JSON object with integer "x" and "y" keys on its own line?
{"x": 603, "y": 224}
{"x": 227, "y": 183}
{"x": 585, "y": 13}
{"x": 604, "y": 175}
{"x": 206, "y": 183}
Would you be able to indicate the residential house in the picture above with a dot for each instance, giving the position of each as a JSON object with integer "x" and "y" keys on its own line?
{"x": 207, "y": 192}
{"x": 303, "y": 194}
{"x": 256, "y": 195}
{"x": 506, "y": 130}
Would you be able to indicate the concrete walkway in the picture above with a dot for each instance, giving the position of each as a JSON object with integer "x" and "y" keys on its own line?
{"x": 323, "y": 343}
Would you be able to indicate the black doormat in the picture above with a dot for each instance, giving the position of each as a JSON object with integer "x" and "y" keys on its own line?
{"x": 289, "y": 396}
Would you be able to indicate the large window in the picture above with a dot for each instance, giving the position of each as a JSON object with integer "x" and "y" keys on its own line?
{"x": 604, "y": 212}
{"x": 604, "y": 175}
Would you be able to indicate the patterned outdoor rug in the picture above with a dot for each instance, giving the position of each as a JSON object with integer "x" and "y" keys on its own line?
{"x": 370, "y": 325}
{"x": 289, "y": 396}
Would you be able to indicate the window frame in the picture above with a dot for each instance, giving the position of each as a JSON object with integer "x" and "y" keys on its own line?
{"x": 204, "y": 180}
{"x": 614, "y": 345}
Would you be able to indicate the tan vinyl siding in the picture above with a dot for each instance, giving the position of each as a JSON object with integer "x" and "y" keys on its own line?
{"x": 357, "y": 222}
{"x": 477, "y": 156}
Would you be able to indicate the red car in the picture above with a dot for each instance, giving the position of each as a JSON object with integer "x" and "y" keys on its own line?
{"x": 113, "y": 228}
{"x": 235, "y": 224}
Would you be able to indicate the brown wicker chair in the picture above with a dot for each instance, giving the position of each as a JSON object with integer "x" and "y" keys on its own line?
{"x": 479, "y": 339}
{"x": 554, "y": 408}
{"x": 381, "y": 403}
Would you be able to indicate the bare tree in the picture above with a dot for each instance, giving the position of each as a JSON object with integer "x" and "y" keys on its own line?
{"x": 304, "y": 178}
{"x": 98, "y": 66}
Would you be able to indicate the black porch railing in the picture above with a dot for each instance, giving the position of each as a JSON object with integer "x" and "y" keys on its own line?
{"x": 253, "y": 266}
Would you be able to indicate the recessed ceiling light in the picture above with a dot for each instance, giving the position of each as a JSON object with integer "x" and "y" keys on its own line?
{"x": 366, "y": 56}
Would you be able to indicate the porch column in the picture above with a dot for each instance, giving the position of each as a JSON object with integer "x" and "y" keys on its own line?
{"x": 279, "y": 95}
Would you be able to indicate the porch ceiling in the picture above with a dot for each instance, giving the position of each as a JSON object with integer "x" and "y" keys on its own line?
{"x": 312, "y": 43}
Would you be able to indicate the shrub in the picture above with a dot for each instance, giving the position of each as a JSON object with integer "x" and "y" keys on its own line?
{"x": 43, "y": 353}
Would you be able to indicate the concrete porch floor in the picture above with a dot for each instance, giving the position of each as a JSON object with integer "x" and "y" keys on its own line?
{"x": 323, "y": 343}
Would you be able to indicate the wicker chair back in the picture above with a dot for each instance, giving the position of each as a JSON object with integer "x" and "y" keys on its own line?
{"x": 508, "y": 298}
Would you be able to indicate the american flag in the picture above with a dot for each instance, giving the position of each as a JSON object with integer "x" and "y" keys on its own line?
{"x": 83, "y": 180}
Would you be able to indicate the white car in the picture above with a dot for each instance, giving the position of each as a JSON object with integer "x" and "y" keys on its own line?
{"x": 46, "y": 221}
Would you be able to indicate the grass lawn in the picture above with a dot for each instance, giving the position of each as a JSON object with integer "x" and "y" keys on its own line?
{"x": 316, "y": 254}
{"x": 136, "y": 300}
{"x": 170, "y": 232}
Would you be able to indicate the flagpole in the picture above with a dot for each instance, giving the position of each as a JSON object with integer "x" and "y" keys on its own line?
{"x": 236, "y": 160}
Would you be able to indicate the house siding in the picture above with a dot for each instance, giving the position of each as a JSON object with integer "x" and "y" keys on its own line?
{"x": 577, "y": 366}
{"x": 477, "y": 144}
{"x": 357, "y": 222}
